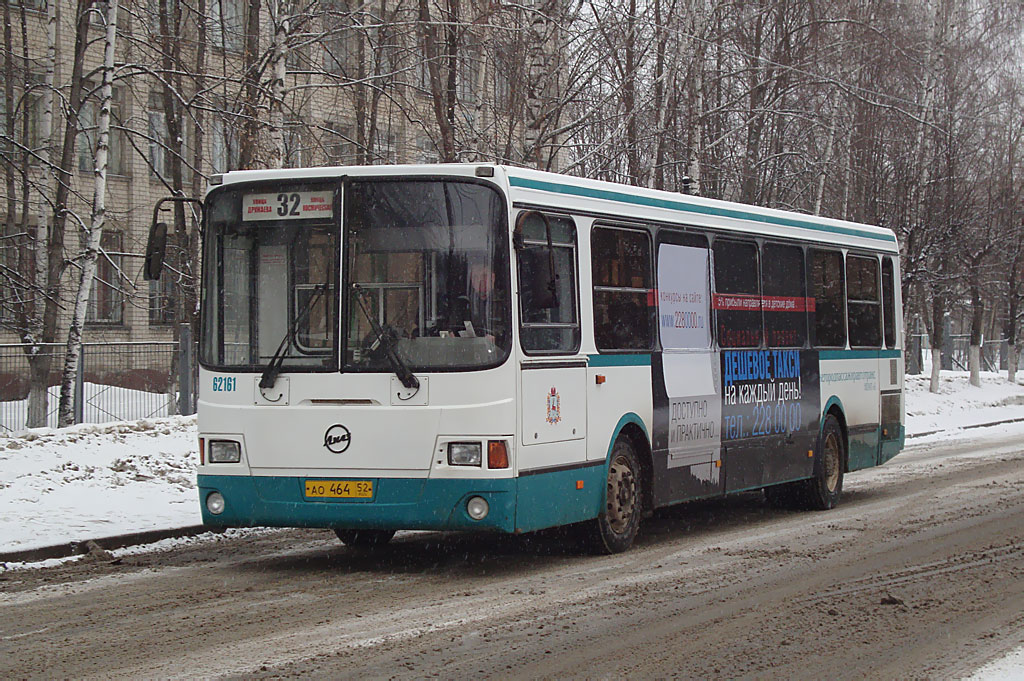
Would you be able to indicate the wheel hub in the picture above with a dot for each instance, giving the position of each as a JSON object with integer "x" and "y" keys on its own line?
{"x": 621, "y": 494}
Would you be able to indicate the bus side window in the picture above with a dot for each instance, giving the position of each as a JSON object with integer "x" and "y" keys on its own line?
{"x": 737, "y": 300}
{"x": 621, "y": 261}
{"x": 548, "y": 320}
{"x": 863, "y": 304}
{"x": 888, "y": 302}
{"x": 785, "y": 303}
{"x": 827, "y": 286}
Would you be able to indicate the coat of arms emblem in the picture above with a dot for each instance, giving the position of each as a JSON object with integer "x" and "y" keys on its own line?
{"x": 554, "y": 407}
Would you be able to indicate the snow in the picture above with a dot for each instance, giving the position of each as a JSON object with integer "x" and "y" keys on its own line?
{"x": 90, "y": 481}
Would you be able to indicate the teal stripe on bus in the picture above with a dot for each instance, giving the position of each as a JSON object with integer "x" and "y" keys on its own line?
{"x": 632, "y": 360}
{"x": 860, "y": 354}
{"x": 652, "y": 202}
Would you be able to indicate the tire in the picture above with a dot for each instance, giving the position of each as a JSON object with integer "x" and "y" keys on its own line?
{"x": 822, "y": 491}
{"x": 364, "y": 539}
{"x": 614, "y": 530}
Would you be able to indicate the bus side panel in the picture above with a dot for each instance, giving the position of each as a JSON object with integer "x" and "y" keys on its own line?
{"x": 851, "y": 376}
{"x": 686, "y": 438}
{"x": 770, "y": 416}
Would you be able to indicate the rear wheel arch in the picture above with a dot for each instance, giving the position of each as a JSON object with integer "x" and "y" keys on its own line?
{"x": 632, "y": 427}
{"x": 835, "y": 409}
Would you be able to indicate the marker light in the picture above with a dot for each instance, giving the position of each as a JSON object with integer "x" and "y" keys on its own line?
{"x": 497, "y": 454}
{"x": 477, "y": 508}
{"x": 464, "y": 454}
{"x": 215, "y": 503}
{"x": 225, "y": 451}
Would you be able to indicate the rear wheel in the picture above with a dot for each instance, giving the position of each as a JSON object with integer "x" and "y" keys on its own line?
{"x": 823, "y": 490}
{"x": 364, "y": 539}
{"x": 614, "y": 530}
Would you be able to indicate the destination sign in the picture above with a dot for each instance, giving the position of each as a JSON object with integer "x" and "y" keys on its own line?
{"x": 287, "y": 206}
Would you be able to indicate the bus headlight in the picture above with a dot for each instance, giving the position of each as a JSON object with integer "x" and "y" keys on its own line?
{"x": 464, "y": 454}
{"x": 215, "y": 503}
{"x": 477, "y": 508}
{"x": 225, "y": 451}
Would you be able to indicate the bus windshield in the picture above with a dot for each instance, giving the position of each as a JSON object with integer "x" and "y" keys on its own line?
{"x": 429, "y": 261}
{"x": 270, "y": 277}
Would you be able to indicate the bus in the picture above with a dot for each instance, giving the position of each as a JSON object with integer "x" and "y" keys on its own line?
{"x": 489, "y": 348}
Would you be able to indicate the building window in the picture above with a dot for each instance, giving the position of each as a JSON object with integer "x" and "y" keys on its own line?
{"x": 88, "y": 138}
{"x": 339, "y": 147}
{"x": 341, "y": 40}
{"x": 621, "y": 262}
{"x": 296, "y": 153}
{"x": 162, "y": 299}
{"x": 225, "y": 151}
{"x": 227, "y": 22}
{"x": 106, "y": 300}
{"x": 737, "y": 300}
{"x": 161, "y": 156}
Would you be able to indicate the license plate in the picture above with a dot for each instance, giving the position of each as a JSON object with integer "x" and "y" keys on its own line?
{"x": 339, "y": 489}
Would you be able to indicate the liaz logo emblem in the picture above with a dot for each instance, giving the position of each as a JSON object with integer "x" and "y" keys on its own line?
{"x": 337, "y": 438}
{"x": 554, "y": 407}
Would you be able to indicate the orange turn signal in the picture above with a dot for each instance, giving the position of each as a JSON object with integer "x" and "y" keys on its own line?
{"x": 497, "y": 454}
{"x": 202, "y": 451}
{"x": 599, "y": 379}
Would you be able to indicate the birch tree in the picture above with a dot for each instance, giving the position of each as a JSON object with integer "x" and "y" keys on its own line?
{"x": 87, "y": 262}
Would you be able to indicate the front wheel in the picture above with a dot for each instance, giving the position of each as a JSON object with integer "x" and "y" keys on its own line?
{"x": 364, "y": 539}
{"x": 823, "y": 490}
{"x": 615, "y": 528}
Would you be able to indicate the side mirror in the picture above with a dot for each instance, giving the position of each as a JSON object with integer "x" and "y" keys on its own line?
{"x": 156, "y": 247}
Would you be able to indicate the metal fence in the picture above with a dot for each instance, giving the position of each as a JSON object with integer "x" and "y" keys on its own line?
{"x": 115, "y": 382}
{"x": 956, "y": 353}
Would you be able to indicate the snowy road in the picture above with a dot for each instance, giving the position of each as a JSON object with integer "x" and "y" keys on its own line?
{"x": 919, "y": 573}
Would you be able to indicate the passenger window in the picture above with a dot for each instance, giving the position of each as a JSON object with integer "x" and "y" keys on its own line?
{"x": 622, "y": 289}
{"x": 864, "y": 306}
{"x": 784, "y": 299}
{"x": 737, "y": 301}
{"x": 829, "y": 303}
{"x": 889, "y": 302}
{"x": 546, "y": 251}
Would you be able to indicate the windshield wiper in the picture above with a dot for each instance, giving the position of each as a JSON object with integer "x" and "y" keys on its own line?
{"x": 269, "y": 376}
{"x": 386, "y": 338}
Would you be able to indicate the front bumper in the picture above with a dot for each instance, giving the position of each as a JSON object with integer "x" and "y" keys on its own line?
{"x": 397, "y": 504}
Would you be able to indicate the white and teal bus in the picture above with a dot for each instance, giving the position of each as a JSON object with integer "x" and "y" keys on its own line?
{"x": 480, "y": 347}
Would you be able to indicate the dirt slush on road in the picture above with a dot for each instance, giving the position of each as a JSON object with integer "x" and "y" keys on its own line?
{"x": 917, "y": 574}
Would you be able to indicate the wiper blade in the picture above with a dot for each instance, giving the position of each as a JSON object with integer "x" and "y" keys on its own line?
{"x": 386, "y": 339}
{"x": 269, "y": 376}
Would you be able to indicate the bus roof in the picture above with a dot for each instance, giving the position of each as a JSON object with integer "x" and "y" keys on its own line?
{"x": 541, "y": 189}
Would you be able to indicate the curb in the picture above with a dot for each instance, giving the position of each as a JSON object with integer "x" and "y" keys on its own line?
{"x": 973, "y": 425}
{"x": 118, "y": 541}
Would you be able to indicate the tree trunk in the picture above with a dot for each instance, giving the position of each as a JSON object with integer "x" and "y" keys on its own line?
{"x": 37, "y": 329}
{"x": 66, "y": 414}
{"x": 977, "y": 337}
{"x": 279, "y": 57}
